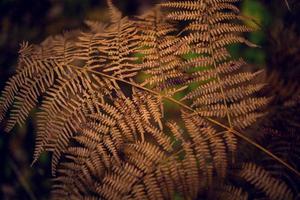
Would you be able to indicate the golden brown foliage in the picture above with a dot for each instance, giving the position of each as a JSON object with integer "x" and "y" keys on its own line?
{"x": 107, "y": 131}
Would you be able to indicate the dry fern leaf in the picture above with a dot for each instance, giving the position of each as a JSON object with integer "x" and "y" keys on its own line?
{"x": 228, "y": 192}
{"x": 36, "y": 72}
{"x": 136, "y": 179}
{"x": 211, "y": 26}
{"x": 114, "y": 12}
{"x": 160, "y": 173}
{"x": 63, "y": 107}
{"x": 100, "y": 140}
{"x": 158, "y": 48}
{"x": 132, "y": 120}
{"x": 110, "y": 143}
{"x": 28, "y": 67}
{"x": 121, "y": 44}
{"x": 208, "y": 143}
{"x": 112, "y": 50}
{"x": 261, "y": 179}
{"x": 59, "y": 71}
{"x": 153, "y": 168}
{"x": 87, "y": 163}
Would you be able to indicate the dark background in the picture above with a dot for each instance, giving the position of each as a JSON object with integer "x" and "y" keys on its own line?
{"x": 34, "y": 20}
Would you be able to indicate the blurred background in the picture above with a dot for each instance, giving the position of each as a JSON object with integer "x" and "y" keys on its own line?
{"x": 34, "y": 20}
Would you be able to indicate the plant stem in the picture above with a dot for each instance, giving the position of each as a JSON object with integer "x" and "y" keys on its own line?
{"x": 231, "y": 130}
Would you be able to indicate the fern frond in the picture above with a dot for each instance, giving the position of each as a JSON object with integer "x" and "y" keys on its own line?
{"x": 204, "y": 135}
{"x": 58, "y": 74}
{"x": 260, "y": 178}
{"x": 106, "y": 130}
{"x": 30, "y": 68}
{"x": 144, "y": 167}
{"x": 89, "y": 49}
{"x": 100, "y": 141}
{"x": 28, "y": 95}
{"x": 115, "y": 13}
{"x": 119, "y": 45}
{"x": 159, "y": 48}
{"x": 63, "y": 128}
{"x": 227, "y": 192}
{"x": 162, "y": 172}
{"x": 63, "y": 109}
{"x": 86, "y": 164}
{"x": 60, "y": 48}
{"x": 211, "y": 26}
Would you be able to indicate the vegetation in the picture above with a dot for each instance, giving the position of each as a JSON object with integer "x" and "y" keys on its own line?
{"x": 158, "y": 106}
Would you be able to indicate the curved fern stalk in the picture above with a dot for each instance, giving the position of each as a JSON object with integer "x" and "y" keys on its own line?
{"x": 213, "y": 121}
{"x": 169, "y": 99}
{"x": 288, "y": 5}
{"x": 269, "y": 179}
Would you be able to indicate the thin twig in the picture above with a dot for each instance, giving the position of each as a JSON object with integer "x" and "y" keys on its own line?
{"x": 288, "y": 5}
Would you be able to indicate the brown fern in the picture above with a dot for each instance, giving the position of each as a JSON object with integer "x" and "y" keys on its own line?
{"x": 159, "y": 48}
{"x": 107, "y": 131}
{"x": 259, "y": 177}
{"x": 211, "y": 26}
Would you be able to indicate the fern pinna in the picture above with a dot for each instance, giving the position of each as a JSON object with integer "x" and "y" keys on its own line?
{"x": 105, "y": 123}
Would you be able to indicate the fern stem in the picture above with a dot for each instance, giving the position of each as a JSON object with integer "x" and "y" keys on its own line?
{"x": 287, "y": 5}
{"x": 231, "y": 130}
